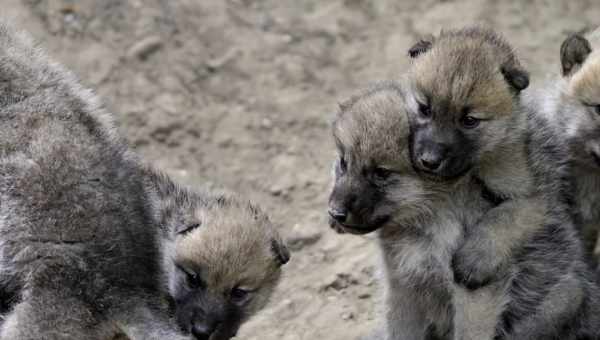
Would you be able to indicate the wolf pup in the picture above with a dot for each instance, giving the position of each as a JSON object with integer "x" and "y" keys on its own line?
{"x": 467, "y": 119}
{"x": 419, "y": 221}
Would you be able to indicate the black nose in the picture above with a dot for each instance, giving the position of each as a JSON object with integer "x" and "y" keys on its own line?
{"x": 340, "y": 215}
{"x": 203, "y": 332}
{"x": 431, "y": 162}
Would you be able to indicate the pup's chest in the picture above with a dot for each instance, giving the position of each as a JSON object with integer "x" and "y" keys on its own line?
{"x": 423, "y": 258}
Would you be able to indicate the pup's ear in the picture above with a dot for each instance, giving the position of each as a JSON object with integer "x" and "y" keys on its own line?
{"x": 186, "y": 228}
{"x": 280, "y": 251}
{"x": 573, "y": 52}
{"x": 421, "y": 47}
{"x": 516, "y": 76}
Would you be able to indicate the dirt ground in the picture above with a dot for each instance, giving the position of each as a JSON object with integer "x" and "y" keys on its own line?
{"x": 239, "y": 94}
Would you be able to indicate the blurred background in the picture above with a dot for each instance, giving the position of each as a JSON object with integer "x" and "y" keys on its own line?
{"x": 239, "y": 94}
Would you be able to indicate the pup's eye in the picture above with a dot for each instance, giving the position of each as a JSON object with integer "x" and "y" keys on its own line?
{"x": 381, "y": 173}
{"x": 192, "y": 279}
{"x": 239, "y": 295}
{"x": 593, "y": 107}
{"x": 469, "y": 122}
{"x": 425, "y": 110}
{"x": 343, "y": 164}
{"x": 186, "y": 229}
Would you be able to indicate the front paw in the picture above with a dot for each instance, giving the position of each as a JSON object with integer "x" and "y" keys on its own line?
{"x": 474, "y": 268}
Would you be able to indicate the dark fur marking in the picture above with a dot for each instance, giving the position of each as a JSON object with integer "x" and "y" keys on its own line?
{"x": 431, "y": 333}
{"x": 488, "y": 194}
{"x": 282, "y": 254}
{"x": 419, "y": 48}
{"x": 221, "y": 200}
{"x": 8, "y": 299}
{"x": 532, "y": 283}
{"x": 256, "y": 213}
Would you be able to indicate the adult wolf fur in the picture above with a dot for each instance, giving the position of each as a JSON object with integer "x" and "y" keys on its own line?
{"x": 92, "y": 243}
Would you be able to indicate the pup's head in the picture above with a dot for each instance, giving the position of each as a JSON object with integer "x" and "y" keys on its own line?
{"x": 223, "y": 260}
{"x": 579, "y": 102}
{"x": 462, "y": 94}
{"x": 375, "y": 184}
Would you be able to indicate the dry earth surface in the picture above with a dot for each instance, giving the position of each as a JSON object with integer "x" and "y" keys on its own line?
{"x": 239, "y": 94}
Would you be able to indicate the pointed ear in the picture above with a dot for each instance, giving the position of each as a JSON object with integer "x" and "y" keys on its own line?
{"x": 421, "y": 47}
{"x": 573, "y": 52}
{"x": 186, "y": 228}
{"x": 282, "y": 254}
{"x": 517, "y": 77}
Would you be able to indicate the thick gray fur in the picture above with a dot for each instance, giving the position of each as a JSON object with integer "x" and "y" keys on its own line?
{"x": 78, "y": 246}
{"x": 88, "y": 233}
{"x": 570, "y": 103}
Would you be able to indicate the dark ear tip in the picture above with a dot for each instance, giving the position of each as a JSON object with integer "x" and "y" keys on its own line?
{"x": 282, "y": 254}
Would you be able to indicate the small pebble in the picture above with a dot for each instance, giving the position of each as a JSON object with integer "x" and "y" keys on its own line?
{"x": 364, "y": 296}
{"x": 145, "y": 47}
{"x": 347, "y": 316}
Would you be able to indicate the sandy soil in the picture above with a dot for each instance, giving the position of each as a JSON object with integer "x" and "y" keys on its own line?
{"x": 239, "y": 94}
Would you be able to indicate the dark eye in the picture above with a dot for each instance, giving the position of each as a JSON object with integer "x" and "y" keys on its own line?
{"x": 343, "y": 165}
{"x": 425, "y": 110}
{"x": 188, "y": 228}
{"x": 381, "y": 173}
{"x": 239, "y": 295}
{"x": 593, "y": 107}
{"x": 192, "y": 279}
{"x": 469, "y": 122}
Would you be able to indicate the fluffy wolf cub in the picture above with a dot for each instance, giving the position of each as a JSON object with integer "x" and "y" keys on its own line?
{"x": 467, "y": 118}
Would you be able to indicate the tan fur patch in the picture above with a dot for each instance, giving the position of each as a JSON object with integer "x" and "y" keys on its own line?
{"x": 377, "y": 137}
{"x": 233, "y": 247}
{"x": 464, "y": 71}
{"x": 585, "y": 83}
